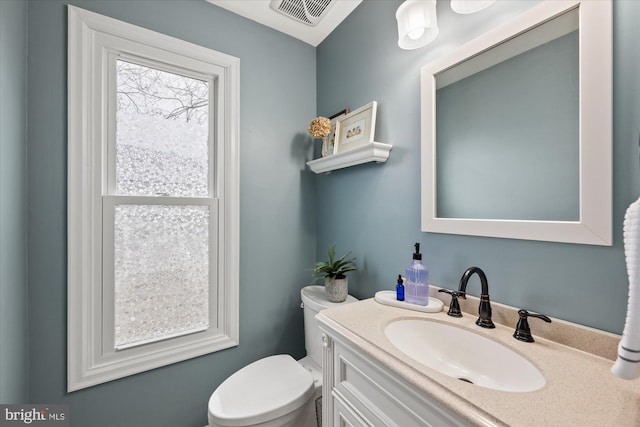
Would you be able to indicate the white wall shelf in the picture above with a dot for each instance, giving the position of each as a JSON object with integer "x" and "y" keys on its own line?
{"x": 373, "y": 152}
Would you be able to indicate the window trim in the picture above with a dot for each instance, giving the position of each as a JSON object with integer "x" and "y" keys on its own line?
{"x": 91, "y": 39}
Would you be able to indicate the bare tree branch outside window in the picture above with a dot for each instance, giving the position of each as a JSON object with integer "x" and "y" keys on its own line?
{"x": 154, "y": 92}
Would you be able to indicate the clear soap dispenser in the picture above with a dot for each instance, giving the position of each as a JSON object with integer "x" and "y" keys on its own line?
{"x": 417, "y": 280}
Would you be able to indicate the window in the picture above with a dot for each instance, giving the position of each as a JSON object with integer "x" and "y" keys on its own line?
{"x": 152, "y": 200}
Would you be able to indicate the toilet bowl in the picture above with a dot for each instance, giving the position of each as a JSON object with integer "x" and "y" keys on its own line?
{"x": 278, "y": 390}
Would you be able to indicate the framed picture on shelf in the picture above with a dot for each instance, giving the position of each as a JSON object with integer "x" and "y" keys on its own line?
{"x": 332, "y": 133}
{"x": 356, "y": 128}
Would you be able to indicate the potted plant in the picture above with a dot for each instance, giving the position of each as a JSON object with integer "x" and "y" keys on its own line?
{"x": 333, "y": 270}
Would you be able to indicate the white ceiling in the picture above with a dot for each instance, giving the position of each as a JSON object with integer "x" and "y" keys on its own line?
{"x": 259, "y": 11}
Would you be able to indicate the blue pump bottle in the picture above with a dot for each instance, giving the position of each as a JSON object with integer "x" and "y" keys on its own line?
{"x": 400, "y": 289}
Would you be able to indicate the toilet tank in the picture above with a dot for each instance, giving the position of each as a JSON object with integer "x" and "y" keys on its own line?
{"x": 314, "y": 299}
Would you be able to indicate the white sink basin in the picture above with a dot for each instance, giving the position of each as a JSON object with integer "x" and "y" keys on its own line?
{"x": 465, "y": 355}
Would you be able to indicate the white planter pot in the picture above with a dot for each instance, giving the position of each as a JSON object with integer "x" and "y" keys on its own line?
{"x": 336, "y": 289}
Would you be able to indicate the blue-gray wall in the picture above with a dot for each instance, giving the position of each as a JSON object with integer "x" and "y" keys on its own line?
{"x": 277, "y": 223}
{"x": 13, "y": 189}
{"x": 374, "y": 210}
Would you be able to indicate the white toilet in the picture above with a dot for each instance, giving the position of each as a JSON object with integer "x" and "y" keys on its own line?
{"x": 278, "y": 390}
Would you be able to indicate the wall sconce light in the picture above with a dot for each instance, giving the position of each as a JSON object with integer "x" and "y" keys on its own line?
{"x": 417, "y": 23}
{"x": 470, "y": 6}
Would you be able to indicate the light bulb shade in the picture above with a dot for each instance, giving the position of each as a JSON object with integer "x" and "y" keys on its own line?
{"x": 417, "y": 23}
{"x": 470, "y": 6}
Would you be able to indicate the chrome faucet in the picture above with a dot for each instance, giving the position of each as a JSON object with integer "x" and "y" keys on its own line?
{"x": 485, "y": 304}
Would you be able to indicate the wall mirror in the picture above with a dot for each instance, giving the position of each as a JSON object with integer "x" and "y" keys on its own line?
{"x": 516, "y": 129}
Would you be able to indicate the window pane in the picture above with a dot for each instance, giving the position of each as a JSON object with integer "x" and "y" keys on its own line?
{"x": 161, "y": 133}
{"x": 161, "y": 271}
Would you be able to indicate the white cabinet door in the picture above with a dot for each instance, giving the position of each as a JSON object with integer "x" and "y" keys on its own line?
{"x": 359, "y": 392}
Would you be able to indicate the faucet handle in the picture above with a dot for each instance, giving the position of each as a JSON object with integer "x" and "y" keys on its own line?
{"x": 454, "y": 306}
{"x": 523, "y": 332}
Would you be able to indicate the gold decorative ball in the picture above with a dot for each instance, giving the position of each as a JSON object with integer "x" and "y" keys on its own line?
{"x": 319, "y": 127}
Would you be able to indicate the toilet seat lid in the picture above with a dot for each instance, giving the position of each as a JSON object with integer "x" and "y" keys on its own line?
{"x": 262, "y": 391}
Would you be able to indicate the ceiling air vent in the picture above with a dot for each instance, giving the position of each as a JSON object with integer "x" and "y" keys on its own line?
{"x": 308, "y": 12}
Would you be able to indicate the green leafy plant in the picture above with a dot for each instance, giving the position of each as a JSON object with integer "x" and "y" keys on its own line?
{"x": 335, "y": 268}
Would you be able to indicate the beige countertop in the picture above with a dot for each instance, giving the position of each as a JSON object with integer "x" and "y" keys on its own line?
{"x": 580, "y": 390}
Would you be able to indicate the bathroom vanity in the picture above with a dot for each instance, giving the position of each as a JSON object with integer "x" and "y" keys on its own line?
{"x": 369, "y": 381}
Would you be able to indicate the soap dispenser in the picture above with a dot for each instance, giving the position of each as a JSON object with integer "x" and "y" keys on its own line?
{"x": 417, "y": 280}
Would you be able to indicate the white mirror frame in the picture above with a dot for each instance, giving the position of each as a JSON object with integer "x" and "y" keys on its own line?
{"x": 595, "y": 63}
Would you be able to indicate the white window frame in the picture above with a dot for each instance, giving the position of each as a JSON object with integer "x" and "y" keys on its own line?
{"x": 93, "y": 43}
